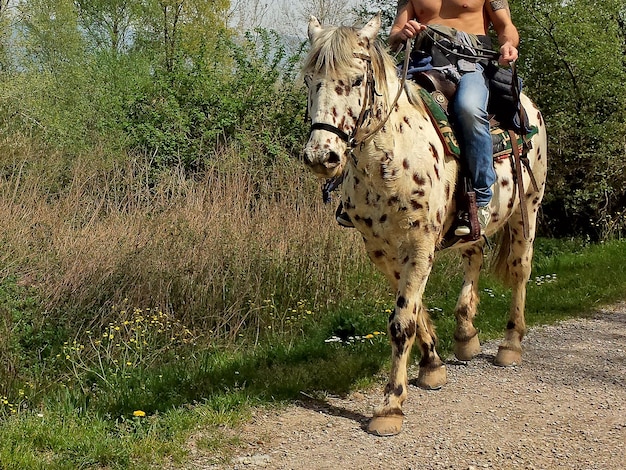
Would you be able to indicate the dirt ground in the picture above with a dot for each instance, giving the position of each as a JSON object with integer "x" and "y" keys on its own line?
{"x": 563, "y": 408}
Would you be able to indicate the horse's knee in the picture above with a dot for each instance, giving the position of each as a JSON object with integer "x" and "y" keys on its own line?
{"x": 402, "y": 334}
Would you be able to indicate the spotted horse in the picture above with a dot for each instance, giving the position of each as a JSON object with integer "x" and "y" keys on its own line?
{"x": 399, "y": 190}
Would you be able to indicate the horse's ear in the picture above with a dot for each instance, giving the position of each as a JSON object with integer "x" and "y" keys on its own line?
{"x": 314, "y": 28}
{"x": 370, "y": 30}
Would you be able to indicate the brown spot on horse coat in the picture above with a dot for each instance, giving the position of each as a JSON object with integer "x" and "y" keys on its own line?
{"x": 419, "y": 179}
{"x": 439, "y": 217}
{"x": 416, "y": 205}
{"x": 434, "y": 152}
{"x": 400, "y": 335}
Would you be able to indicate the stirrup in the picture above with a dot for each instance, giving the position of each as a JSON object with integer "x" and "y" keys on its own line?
{"x": 462, "y": 231}
{"x": 343, "y": 218}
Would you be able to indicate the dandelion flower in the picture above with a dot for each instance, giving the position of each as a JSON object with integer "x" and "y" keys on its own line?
{"x": 139, "y": 413}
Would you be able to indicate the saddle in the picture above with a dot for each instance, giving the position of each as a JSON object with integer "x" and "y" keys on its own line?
{"x": 509, "y": 141}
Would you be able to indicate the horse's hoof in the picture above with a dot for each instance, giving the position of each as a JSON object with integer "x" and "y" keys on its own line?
{"x": 507, "y": 357}
{"x": 467, "y": 350}
{"x": 385, "y": 425}
{"x": 432, "y": 378}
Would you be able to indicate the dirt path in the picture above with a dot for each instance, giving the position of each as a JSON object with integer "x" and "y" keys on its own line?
{"x": 564, "y": 408}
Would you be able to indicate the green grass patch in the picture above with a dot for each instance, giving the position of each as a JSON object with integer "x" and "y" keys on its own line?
{"x": 108, "y": 401}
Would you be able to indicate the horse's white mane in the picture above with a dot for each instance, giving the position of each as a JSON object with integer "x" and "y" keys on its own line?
{"x": 332, "y": 53}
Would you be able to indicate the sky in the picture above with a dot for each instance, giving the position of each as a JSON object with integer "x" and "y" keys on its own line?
{"x": 286, "y": 16}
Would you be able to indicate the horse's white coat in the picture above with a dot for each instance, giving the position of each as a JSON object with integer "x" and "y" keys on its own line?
{"x": 399, "y": 190}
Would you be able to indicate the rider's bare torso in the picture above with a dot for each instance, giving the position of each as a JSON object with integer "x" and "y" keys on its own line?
{"x": 465, "y": 15}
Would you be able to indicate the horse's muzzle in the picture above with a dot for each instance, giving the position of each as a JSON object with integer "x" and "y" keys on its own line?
{"x": 323, "y": 162}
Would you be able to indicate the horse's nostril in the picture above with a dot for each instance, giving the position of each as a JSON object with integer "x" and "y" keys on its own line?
{"x": 333, "y": 158}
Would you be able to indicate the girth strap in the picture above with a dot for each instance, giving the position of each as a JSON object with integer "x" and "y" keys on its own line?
{"x": 519, "y": 179}
{"x": 523, "y": 158}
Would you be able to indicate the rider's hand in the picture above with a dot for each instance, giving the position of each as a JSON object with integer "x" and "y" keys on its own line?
{"x": 411, "y": 29}
{"x": 508, "y": 53}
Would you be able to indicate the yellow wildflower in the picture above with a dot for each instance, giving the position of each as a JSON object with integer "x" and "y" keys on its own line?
{"x": 139, "y": 413}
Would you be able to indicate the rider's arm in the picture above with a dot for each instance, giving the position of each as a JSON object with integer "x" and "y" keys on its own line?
{"x": 405, "y": 25}
{"x": 508, "y": 37}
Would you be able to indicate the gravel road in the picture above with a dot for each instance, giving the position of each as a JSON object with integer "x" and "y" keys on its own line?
{"x": 563, "y": 408}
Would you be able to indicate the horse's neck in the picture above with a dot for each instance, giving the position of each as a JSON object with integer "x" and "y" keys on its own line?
{"x": 403, "y": 121}
{"x": 407, "y": 140}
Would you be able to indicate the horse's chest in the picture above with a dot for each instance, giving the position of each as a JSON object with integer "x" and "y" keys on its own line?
{"x": 369, "y": 209}
{"x": 378, "y": 211}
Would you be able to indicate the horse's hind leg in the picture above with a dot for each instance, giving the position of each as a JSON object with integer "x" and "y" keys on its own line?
{"x": 518, "y": 265}
{"x": 466, "y": 343}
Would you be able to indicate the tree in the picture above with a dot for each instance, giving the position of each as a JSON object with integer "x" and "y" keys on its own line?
{"x": 50, "y": 34}
{"x": 5, "y": 28}
{"x": 110, "y": 23}
{"x": 182, "y": 29}
{"x": 573, "y": 59}
{"x": 387, "y": 8}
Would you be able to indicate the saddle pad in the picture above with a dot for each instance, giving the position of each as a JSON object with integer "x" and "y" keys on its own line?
{"x": 501, "y": 140}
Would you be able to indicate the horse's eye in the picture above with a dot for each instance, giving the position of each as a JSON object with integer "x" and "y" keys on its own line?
{"x": 307, "y": 80}
{"x": 358, "y": 81}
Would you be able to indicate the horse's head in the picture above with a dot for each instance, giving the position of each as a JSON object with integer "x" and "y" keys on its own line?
{"x": 341, "y": 72}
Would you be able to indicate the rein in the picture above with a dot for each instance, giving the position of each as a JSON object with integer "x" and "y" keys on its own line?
{"x": 370, "y": 90}
{"x": 481, "y": 53}
{"x": 405, "y": 70}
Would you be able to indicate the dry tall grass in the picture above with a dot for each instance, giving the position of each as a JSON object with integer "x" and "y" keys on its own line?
{"x": 226, "y": 253}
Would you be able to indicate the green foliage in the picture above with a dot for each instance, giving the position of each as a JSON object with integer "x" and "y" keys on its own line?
{"x": 52, "y": 439}
{"x": 242, "y": 93}
{"x": 149, "y": 409}
{"x": 5, "y": 35}
{"x": 573, "y": 57}
{"x": 26, "y": 340}
{"x": 387, "y": 8}
{"x": 167, "y": 81}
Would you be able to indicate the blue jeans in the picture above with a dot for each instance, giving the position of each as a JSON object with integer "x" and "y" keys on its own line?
{"x": 472, "y": 125}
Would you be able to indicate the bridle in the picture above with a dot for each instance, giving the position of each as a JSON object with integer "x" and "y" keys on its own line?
{"x": 370, "y": 93}
{"x": 370, "y": 90}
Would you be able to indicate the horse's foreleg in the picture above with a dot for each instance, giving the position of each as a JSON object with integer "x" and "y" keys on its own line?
{"x": 466, "y": 343}
{"x": 519, "y": 264}
{"x": 408, "y": 322}
{"x": 432, "y": 373}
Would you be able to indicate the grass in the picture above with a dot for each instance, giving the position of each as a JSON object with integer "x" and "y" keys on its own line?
{"x": 213, "y": 389}
{"x": 141, "y": 317}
